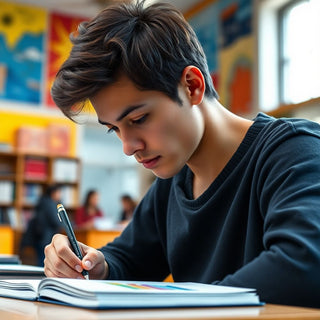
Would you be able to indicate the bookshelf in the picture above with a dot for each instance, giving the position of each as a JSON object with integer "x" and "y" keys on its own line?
{"x": 23, "y": 178}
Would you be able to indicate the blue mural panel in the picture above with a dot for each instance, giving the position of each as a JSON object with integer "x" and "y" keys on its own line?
{"x": 22, "y": 47}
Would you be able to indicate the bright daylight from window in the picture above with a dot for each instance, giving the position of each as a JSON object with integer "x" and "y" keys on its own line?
{"x": 301, "y": 52}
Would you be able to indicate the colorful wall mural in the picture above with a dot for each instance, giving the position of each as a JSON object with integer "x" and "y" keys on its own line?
{"x": 34, "y": 43}
{"x": 224, "y": 28}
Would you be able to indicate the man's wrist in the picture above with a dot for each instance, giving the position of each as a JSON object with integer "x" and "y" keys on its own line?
{"x": 106, "y": 271}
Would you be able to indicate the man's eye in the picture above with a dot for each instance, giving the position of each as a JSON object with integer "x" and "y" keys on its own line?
{"x": 112, "y": 129}
{"x": 140, "y": 120}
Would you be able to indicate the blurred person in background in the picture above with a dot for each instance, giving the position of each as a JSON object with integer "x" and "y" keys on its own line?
{"x": 86, "y": 214}
{"x": 128, "y": 206}
{"x": 44, "y": 224}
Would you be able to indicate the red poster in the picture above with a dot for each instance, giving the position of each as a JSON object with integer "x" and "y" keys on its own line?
{"x": 59, "y": 46}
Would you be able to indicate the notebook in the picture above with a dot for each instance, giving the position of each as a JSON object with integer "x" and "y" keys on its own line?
{"x": 20, "y": 271}
{"x": 107, "y": 294}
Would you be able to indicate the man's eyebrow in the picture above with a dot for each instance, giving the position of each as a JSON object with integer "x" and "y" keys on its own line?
{"x": 104, "y": 123}
{"x": 123, "y": 114}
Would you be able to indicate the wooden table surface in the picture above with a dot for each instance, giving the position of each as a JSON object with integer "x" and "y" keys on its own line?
{"x": 12, "y": 309}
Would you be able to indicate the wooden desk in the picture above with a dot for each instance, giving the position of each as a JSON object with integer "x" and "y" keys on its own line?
{"x": 25, "y": 310}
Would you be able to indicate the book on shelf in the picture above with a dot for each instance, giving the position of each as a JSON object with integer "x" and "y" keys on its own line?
{"x": 7, "y": 168}
{"x": 106, "y": 294}
{"x": 8, "y": 216}
{"x": 36, "y": 168}
{"x": 13, "y": 217}
{"x": 59, "y": 139}
{"x": 4, "y": 218}
{"x": 32, "y": 139}
{"x": 6, "y": 192}
{"x": 65, "y": 170}
{"x": 31, "y": 193}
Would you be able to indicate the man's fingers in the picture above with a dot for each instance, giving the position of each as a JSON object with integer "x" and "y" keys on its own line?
{"x": 95, "y": 263}
{"x": 60, "y": 261}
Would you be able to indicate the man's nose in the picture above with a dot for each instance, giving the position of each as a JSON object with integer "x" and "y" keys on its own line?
{"x": 131, "y": 143}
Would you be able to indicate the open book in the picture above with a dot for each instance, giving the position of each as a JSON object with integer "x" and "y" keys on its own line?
{"x": 103, "y": 294}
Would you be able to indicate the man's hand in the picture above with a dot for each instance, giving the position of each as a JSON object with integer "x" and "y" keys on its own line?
{"x": 60, "y": 261}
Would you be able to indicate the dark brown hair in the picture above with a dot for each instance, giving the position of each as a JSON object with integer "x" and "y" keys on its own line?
{"x": 150, "y": 45}
{"x": 51, "y": 189}
{"x": 89, "y": 195}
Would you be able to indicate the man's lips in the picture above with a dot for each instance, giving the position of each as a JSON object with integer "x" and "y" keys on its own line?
{"x": 150, "y": 163}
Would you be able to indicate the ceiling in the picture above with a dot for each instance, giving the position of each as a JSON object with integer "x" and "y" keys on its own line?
{"x": 89, "y": 8}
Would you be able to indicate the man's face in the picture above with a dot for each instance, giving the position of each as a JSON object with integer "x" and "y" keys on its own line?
{"x": 56, "y": 195}
{"x": 161, "y": 134}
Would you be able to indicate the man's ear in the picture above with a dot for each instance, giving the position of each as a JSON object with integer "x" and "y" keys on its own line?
{"x": 193, "y": 81}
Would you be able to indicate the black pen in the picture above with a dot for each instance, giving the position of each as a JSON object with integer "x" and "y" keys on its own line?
{"x": 63, "y": 217}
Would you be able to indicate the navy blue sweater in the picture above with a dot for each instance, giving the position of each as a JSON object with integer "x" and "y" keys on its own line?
{"x": 257, "y": 225}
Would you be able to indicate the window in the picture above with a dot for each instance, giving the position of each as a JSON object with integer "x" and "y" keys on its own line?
{"x": 299, "y": 51}
{"x": 288, "y": 35}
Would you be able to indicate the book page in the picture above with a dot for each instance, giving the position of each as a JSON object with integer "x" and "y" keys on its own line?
{"x": 25, "y": 289}
{"x": 141, "y": 287}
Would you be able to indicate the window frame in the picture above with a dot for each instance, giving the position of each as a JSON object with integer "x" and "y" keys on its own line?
{"x": 283, "y": 60}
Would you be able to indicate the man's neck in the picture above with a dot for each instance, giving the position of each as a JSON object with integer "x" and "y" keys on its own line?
{"x": 222, "y": 136}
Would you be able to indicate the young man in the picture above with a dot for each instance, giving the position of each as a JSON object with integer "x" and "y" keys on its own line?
{"x": 236, "y": 202}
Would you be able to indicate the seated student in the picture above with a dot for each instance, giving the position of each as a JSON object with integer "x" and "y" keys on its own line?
{"x": 45, "y": 222}
{"x": 86, "y": 214}
{"x": 236, "y": 201}
{"x": 128, "y": 205}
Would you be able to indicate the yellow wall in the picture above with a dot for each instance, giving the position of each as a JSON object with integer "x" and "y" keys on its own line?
{"x": 10, "y": 121}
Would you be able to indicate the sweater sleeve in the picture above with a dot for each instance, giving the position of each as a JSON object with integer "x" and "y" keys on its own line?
{"x": 288, "y": 193}
{"x": 139, "y": 254}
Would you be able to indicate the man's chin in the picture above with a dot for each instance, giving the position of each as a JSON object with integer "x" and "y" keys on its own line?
{"x": 164, "y": 175}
